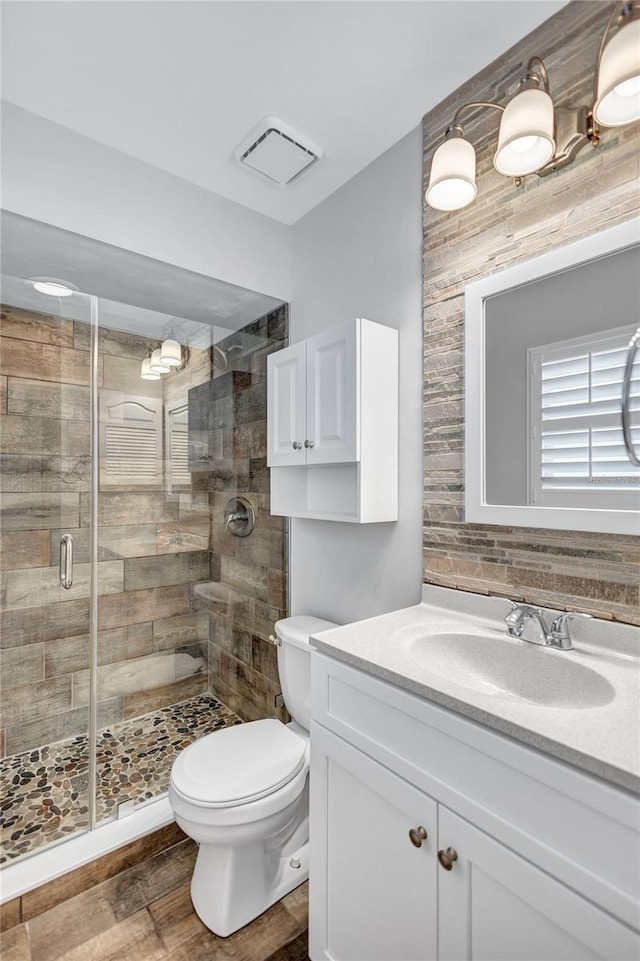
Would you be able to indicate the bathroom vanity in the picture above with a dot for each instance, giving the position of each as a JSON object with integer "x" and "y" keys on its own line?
{"x": 464, "y": 811}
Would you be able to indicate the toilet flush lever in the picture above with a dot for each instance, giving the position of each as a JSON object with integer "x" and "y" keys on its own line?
{"x": 274, "y": 640}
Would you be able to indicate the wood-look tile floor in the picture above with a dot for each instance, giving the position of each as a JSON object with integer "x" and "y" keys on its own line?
{"x": 144, "y": 913}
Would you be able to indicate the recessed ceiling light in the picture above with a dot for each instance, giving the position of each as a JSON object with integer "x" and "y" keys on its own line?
{"x": 53, "y": 287}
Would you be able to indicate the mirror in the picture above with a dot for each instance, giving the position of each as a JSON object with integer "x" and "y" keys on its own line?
{"x": 546, "y": 346}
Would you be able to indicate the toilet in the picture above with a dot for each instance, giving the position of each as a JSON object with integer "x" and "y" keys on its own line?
{"x": 242, "y": 794}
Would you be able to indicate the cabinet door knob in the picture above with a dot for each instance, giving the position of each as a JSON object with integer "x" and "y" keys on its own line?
{"x": 308, "y": 443}
{"x": 297, "y": 445}
{"x": 417, "y": 836}
{"x": 446, "y": 858}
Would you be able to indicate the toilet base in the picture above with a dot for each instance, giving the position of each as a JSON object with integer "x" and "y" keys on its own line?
{"x": 228, "y": 890}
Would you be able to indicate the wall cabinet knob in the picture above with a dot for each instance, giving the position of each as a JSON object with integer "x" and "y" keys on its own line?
{"x": 446, "y": 858}
{"x": 308, "y": 443}
{"x": 417, "y": 836}
{"x": 297, "y": 445}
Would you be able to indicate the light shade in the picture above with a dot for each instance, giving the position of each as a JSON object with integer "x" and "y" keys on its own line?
{"x": 156, "y": 364}
{"x": 525, "y": 141}
{"x": 452, "y": 181}
{"x": 171, "y": 353}
{"x": 618, "y": 89}
{"x": 145, "y": 371}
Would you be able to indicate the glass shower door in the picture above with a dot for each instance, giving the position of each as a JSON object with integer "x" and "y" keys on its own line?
{"x": 45, "y": 477}
{"x": 153, "y": 553}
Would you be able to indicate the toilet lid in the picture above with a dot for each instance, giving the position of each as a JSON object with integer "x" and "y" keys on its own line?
{"x": 239, "y": 764}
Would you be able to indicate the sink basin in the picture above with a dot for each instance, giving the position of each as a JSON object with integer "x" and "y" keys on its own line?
{"x": 508, "y": 666}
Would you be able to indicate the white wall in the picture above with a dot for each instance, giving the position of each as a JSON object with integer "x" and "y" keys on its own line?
{"x": 358, "y": 254}
{"x": 51, "y": 174}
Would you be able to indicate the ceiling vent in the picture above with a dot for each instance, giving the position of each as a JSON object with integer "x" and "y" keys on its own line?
{"x": 276, "y": 152}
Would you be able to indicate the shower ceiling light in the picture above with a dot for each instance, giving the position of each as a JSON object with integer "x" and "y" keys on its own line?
{"x": 535, "y": 138}
{"x": 53, "y": 287}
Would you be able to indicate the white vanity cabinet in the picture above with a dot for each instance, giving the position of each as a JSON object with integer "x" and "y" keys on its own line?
{"x": 543, "y": 859}
{"x": 332, "y": 425}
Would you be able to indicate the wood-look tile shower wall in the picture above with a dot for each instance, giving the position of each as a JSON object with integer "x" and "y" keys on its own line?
{"x": 154, "y": 546}
{"x": 506, "y": 225}
{"x": 250, "y": 572}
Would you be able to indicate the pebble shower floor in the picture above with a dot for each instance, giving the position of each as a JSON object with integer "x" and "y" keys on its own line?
{"x": 44, "y": 791}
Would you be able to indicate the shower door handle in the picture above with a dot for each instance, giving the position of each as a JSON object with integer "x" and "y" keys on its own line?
{"x": 66, "y": 561}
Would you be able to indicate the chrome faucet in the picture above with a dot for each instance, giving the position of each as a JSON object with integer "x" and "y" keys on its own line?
{"x": 558, "y": 636}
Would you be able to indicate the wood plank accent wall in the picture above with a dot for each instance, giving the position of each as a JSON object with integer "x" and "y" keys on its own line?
{"x": 505, "y": 225}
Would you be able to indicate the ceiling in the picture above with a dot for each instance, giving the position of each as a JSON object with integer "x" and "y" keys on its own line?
{"x": 179, "y": 83}
{"x": 136, "y": 293}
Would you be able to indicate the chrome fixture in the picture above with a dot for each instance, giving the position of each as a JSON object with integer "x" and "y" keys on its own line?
{"x": 533, "y": 136}
{"x": 66, "y": 561}
{"x": 519, "y": 617}
{"x": 239, "y": 516}
{"x": 634, "y": 344}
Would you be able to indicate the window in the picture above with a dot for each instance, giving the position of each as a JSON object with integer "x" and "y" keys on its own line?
{"x": 577, "y": 456}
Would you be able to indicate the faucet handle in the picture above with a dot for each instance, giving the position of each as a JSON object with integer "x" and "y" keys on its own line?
{"x": 559, "y": 635}
{"x": 560, "y": 623}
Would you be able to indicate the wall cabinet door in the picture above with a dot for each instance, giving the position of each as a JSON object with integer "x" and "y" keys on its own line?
{"x": 287, "y": 406}
{"x": 332, "y": 390}
{"x": 495, "y": 906}
{"x": 373, "y": 895}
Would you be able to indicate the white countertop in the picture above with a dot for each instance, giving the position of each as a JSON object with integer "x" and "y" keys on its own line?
{"x": 602, "y": 738}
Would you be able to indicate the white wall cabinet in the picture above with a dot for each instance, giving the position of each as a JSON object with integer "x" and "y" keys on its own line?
{"x": 537, "y": 872}
{"x": 332, "y": 426}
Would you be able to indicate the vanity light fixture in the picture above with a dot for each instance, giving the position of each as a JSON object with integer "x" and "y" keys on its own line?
{"x": 146, "y": 373}
{"x": 525, "y": 139}
{"x": 533, "y": 136}
{"x": 156, "y": 364}
{"x": 171, "y": 353}
{"x": 617, "y": 93}
{"x": 164, "y": 356}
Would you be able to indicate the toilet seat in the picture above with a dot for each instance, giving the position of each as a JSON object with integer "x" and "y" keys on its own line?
{"x": 240, "y": 764}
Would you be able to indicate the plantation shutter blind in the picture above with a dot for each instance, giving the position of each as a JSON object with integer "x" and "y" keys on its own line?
{"x": 130, "y": 440}
{"x": 178, "y": 447}
{"x": 575, "y": 426}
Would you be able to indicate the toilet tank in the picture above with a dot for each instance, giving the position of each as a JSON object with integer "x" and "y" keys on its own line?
{"x": 294, "y": 662}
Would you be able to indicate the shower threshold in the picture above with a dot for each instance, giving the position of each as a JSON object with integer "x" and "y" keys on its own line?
{"x": 45, "y": 790}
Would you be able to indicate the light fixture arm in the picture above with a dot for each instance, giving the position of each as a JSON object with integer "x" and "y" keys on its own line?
{"x": 537, "y": 63}
{"x": 471, "y": 105}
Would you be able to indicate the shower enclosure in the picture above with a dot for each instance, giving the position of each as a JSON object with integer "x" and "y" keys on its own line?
{"x": 133, "y": 620}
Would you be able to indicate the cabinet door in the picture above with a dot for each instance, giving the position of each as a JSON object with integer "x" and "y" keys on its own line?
{"x": 332, "y": 391}
{"x": 373, "y": 893}
{"x": 496, "y": 906}
{"x": 286, "y": 406}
